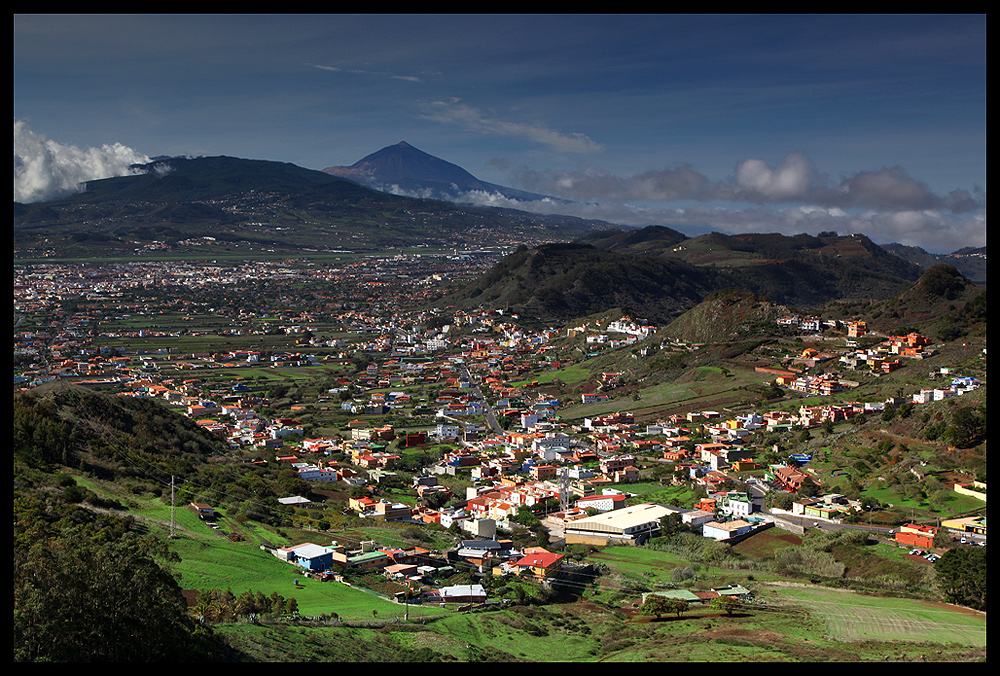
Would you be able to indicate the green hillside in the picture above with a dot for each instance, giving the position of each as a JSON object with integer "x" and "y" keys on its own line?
{"x": 726, "y": 315}
{"x": 566, "y": 281}
{"x": 264, "y": 207}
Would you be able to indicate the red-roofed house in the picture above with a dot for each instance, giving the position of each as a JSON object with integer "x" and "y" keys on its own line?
{"x": 540, "y": 562}
{"x": 361, "y": 504}
{"x": 791, "y": 477}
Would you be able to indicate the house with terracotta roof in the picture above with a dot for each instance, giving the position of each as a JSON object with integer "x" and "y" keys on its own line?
{"x": 361, "y": 504}
{"x": 790, "y": 477}
{"x": 204, "y": 511}
{"x": 539, "y": 562}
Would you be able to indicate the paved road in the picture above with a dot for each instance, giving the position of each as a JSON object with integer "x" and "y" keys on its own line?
{"x": 810, "y": 522}
{"x": 491, "y": 418}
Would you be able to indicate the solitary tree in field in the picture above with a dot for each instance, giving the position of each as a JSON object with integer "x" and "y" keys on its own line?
{"x": 658, "y": 606}
{"x": 725, "y": 603}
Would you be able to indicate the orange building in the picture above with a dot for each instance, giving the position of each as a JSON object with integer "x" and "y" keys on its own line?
{"x": 916, "y": 536}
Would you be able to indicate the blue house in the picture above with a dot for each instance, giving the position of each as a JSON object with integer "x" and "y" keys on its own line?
{"x": 310, "y": 556}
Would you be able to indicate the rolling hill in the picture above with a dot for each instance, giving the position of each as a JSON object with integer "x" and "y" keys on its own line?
{"x": 565, "y": 281}
{"x": 659, "y": 276}
{"x": 261, "y": 206}
{"x": 943, "y": 304}
{"x": 726, "y": 315}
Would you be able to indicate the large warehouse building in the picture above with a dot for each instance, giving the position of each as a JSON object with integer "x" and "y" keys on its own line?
{"x": 631, "y": 524}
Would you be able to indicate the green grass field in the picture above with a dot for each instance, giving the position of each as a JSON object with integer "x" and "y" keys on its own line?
{"x": 846, "y": 616}
{"x": 570, "y": 375}
{"x": 795, "y": 621}
{"x": 210, "y": 560}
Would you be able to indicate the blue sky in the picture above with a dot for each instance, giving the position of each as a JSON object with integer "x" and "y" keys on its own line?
{"x": 768, "y": 123}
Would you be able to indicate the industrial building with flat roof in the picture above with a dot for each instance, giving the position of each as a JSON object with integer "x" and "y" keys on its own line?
{"x": 630, "y": 524}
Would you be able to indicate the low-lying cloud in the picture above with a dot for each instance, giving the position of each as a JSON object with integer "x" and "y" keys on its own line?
{"x": 45, "y": 170}
{"x": 794, "y": 180}
{"x": 933, "y": 230}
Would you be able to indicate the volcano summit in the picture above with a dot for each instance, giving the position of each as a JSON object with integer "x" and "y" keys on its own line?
{"x": 403, "y": 169}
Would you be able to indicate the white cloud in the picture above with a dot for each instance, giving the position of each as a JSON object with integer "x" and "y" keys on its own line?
{"x": 453, "y": 112}
{"x": 934, "y": 231}
{"x": 666, "y": 185}
{"x": 45, "y": 170}
{"x": 794, "y": 180}
{"x": 359, "y": 71}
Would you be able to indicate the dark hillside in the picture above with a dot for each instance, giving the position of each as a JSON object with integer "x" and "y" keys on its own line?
{"x": 108, "y": 434}
{"x": 271, "y": 207}
{"x": 943, "y": 303}
{"x": 803, "y": 270}
{"x": 564, "y": 281}
{"x": 650, "y": 239}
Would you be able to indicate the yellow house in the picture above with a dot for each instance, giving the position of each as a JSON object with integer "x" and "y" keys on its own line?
{"x": 361, "y": 504}
{"x": 540, "y": 562}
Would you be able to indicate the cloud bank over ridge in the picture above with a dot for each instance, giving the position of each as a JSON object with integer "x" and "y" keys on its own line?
{"x": 45, "y": 170}
{"x": 790, "y": 197}
{"x": 793, "y": 180}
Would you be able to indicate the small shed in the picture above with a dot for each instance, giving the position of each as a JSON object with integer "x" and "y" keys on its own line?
{"x": 204, "y": 511}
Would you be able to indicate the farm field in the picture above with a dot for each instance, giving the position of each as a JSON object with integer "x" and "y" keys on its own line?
{"x": 853, "y": 617}
{"x": 210, "y": 560}
{"x": 702, "y": 386}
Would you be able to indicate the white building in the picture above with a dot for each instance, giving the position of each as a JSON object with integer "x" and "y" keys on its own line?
{"x": 697, "y": 517}
{"x": 726, "y": 530}
{"x": 602, "y": 503}
{"x": 619, "y": 525}
{"x": 314, "y": 473}
{"x": 448, "y": 431}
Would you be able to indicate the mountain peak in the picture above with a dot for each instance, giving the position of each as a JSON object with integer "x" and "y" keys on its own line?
{"x": 402, "y": 167}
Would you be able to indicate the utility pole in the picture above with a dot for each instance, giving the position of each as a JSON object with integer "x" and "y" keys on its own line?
{"x": 173, "y": 534}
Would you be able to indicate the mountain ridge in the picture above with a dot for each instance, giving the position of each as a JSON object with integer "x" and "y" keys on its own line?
{"x": 970, "y": 261}
{"x": 559, "y": 281}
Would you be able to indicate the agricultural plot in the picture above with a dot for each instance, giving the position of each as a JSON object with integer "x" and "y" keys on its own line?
{"x": 208, "y": 559}
{"x": 853, "y": 617}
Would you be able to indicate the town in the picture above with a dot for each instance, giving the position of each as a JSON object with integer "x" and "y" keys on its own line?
{"x": 473, "y": 394}
{"x": 457, "y": 338}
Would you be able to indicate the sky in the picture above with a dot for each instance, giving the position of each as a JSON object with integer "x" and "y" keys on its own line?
{"x": 874, "y": 124}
